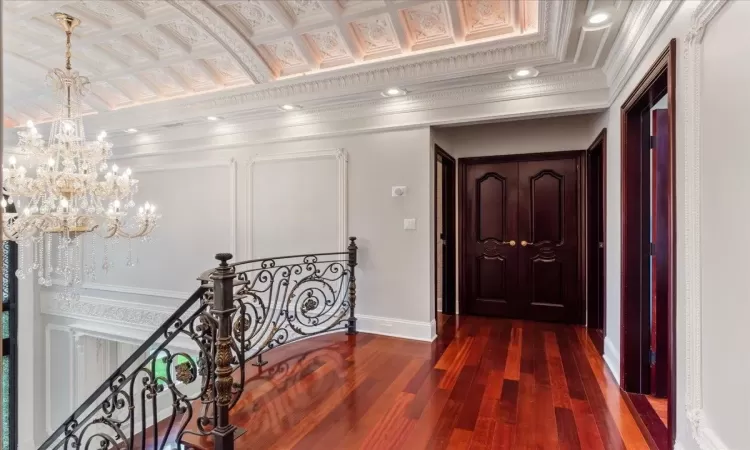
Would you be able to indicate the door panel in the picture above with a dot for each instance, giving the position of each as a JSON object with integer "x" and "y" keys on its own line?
{"x": 548, "y": 229}
{"x": 492, "y": 264}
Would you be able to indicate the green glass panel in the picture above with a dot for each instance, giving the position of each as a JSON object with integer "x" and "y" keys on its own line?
{"x": 6, "y": 275}
{"x": 6, "y": 403}
{"x": 6, "y": 324}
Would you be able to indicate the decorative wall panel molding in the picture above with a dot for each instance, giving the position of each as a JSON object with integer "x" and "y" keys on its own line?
{"x": 691, "y": 107}
{"x": 53, "y": 384}
{"x": 231, "y": 165}
{"x": 232, "y": 189}
{"x": 340, "y": 158}
{"x": 136, "y": 290}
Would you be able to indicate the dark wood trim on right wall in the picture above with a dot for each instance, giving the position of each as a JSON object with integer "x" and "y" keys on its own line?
{"x": 635, "y": 321}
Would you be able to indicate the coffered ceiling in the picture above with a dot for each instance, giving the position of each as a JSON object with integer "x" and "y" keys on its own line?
{"x": 164, "y": 61}
{"x": 141, "y": 51}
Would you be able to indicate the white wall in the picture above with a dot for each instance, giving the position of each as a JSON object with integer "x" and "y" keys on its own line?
{"x": 551, "y": 134}
{"x": 725, "y": 243}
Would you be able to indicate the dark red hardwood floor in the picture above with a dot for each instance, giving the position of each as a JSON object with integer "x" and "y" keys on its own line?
{"x": 483, "y": 384}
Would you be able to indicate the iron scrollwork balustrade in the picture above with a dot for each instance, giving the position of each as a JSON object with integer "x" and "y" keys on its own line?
{"x": 124, "y": 412}
{"x": 239, "y": 312}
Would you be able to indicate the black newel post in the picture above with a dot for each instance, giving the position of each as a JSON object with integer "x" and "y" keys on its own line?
{"x": 352, "y": 325}
{"x": 223, "y": 307}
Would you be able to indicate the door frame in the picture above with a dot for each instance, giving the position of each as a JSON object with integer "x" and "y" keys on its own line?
{"x": 634, "y": 325}
{"x": 449, "y": 212}
{"x": 601, "y": 142}
{"x": 464, "y": 163}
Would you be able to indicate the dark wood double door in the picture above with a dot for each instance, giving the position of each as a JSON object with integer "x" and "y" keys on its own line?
{"x": 520, "y": 235}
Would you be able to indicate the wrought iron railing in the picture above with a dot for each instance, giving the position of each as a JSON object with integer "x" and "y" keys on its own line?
{"x": 161, "y": 398}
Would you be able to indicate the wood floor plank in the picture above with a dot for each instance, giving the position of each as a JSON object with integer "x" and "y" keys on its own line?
{"x": 560, "y": 393}
{"x": 382, "y": 410}
{"x": 392, "y": 429}
{"x": 484, "y": 384}
{"x": 567, "y": 432}
{"x": 513, "y": 363}
{"x": 588, "y": 431}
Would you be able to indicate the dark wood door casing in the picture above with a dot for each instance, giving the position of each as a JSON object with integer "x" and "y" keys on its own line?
{"x": 635, "y": 323}
{"x": 596, "y": 180}
{"x": 505, "y": 200}
{"x": 447, "y": 164}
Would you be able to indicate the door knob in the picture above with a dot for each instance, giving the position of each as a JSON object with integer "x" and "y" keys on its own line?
{"x": 524, "y": 243}
{"x": 512, "y": 243}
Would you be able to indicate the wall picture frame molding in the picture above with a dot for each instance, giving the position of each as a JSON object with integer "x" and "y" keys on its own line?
{"x": 700, "y": 426}
{"x": 231, "y": 165}
{"x": 339, "y": 155}
{"x": 48, "y": 387}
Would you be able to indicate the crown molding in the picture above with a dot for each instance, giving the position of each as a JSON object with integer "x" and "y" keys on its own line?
{"x": 429, "y": 108}
{"x": 643, "y": 23}
{"x": 700, "y": 428}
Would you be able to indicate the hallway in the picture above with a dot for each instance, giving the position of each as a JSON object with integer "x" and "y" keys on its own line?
{"x": 483, "y": 384}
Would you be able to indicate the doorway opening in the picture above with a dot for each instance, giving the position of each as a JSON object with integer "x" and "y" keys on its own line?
{"x": 521, "y": 236}
{"x": 648, "y": 250}
{"x": 595, "y": 238}
{"x": 445, "y": 232}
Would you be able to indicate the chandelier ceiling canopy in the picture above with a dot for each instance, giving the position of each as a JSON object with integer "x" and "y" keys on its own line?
{"x": 68, "y": 190}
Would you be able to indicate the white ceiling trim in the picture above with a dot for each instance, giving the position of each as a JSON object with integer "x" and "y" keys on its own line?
{"x": 641, "y": 27}
{"x": 586, "y": 92}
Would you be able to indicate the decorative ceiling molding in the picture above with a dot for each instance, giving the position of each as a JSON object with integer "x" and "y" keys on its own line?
{"x": 642, "y": 25}
{"x": 225, "y": 33}
{"x": 124, "y": 38}
{"x": 196, "y": 51}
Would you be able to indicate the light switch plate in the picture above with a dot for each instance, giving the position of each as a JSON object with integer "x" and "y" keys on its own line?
{"x": 398, "y": 191}
{"x": 410, "y": 224}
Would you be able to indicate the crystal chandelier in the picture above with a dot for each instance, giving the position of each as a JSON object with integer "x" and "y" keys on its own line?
{"x": 69, "y": 192}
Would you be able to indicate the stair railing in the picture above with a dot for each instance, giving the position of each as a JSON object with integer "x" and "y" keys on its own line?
{"x": 161, "y": 399}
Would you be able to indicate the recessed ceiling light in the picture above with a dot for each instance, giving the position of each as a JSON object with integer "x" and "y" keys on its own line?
{"x": 393, "y": 92}
{"x": 212, "y": 118}
{"x": 290, "y": 107}
{"x": 131, "y": 130}
{"x": 599, "y": 18}
{"x": 523, "y": 72}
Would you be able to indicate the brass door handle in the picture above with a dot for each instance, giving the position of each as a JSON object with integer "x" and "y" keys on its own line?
{"x": 524, "y": 243}
{"x": 512, "y": 243}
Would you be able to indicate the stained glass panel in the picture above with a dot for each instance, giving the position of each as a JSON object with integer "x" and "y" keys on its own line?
{"x": 6, "y": 271}
{"x": 6, "y": 402}
{"x": 6, "y": 324}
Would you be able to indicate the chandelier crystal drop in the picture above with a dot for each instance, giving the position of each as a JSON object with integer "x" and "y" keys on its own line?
{"x": 69, "y": 190}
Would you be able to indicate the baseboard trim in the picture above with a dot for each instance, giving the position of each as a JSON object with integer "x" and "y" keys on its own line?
{"x": 387, "y": 326}
{"x": 612, "y": 358}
